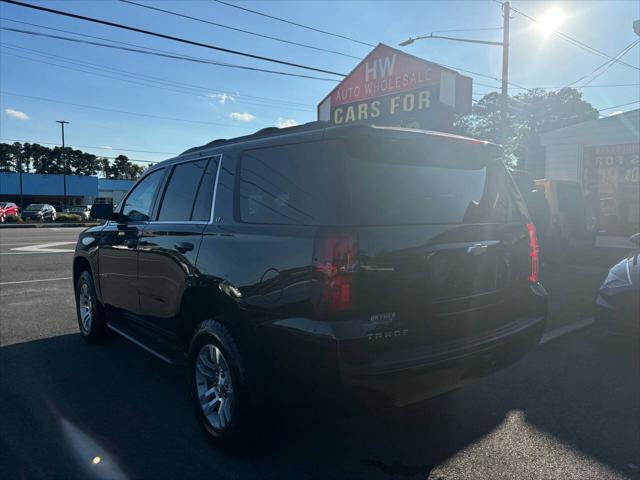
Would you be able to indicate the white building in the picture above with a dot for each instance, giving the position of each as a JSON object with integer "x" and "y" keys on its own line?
{"x": 603, "y": 156}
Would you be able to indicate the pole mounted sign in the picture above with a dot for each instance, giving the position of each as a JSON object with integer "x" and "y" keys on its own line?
{"x": 392, "y": 88}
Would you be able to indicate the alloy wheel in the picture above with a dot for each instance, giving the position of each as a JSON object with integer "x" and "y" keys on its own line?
{"x": 214, "y": 386}
{"x": 85, "y": 305}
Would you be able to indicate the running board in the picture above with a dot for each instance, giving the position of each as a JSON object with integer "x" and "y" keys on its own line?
{"x": 166, "y": 358}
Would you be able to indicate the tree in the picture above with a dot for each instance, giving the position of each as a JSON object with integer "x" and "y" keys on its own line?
{"x": 13, "y": 158}
{"x": 43, "y": 159}
{"x": 528, "y": 115}
{"x": 121, "y": 168}
{"x": 18, "y": 157}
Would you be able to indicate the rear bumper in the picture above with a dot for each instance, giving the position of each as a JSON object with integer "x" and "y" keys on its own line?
{"x": 334, "y": 360}
{"x": 430, "y": 372}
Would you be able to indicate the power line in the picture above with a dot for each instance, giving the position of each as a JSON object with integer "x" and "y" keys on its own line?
{"x": 295, "y": 23}
{"x": 168, "y": 53}
{"x": 171, "y": 37}
{"x": 618, "y": 106}
{"x": 88, "y": 146}
{"x": 165, "y": 55}
{"x": 609, "y": 64}
{"x": 248, "y": 32}
{"x": 177, "y": 87}
{"x": 124, "y": 112}
{"x": 573, "y": 40}
{"x": 173, "y": 55}
{"x": 580, "y": 87}
{"x": 274, "y": 100}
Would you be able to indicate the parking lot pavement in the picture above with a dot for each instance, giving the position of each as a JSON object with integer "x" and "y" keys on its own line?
{"x": 569, "y": 410}
{"x": 36, "y": 295}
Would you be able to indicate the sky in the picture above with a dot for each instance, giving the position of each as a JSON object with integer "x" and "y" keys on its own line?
{"x": 151, "y": 107}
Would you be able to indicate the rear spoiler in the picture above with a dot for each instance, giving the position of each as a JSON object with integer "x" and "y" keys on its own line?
{"x": 413, "y": 146}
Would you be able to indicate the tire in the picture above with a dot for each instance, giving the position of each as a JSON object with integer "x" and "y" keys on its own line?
{"x": 91, "y": 320}
{"x": 216, "y": 374}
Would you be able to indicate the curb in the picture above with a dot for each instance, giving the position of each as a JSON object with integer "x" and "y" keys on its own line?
{"x": 566, "y": 329}
{"x": 46, "y": 225}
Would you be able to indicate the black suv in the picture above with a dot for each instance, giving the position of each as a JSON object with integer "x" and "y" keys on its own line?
{"x": 371, "y": 264}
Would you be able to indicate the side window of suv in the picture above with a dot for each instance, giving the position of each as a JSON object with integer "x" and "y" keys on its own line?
{"x": 187, "y": 180}
{"x": 137, "y": 206}
{"x": 287, "y": 184}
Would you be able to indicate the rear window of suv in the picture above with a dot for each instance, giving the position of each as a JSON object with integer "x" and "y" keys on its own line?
{"x": 377, "y": 185}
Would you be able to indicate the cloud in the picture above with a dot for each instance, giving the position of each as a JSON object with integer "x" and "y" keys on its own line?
{"x": 286, "y": 122}
{"x": 16, "y": 114}
{"x": 222, "y": 97}
{"x": 242, "y": 117}
{"x": 106, "y": 147}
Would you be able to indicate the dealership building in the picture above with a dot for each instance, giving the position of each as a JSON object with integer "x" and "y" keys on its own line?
{"x": 26, "y": 188}
{"x": 603, "y": 156}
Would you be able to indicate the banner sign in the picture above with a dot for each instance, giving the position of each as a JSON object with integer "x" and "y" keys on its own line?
{"x": 611, "y": 182}
{"x": 392, "y": 88}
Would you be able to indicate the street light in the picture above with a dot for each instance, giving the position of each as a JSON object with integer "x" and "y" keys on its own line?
{"x": 64, "y": 163}
{"x": 505, "y": 57}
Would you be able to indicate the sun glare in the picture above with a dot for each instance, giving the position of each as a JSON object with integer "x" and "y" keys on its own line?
{"x": 551, "y": 20}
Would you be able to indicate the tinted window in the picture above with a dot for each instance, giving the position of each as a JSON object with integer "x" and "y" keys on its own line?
{"x": 202, "y": 207}
{"x": 137, "y": 206}
{"x": 177, "y": 202}
{"x": 413, "y": 184}
{"x": 287, "y": 184}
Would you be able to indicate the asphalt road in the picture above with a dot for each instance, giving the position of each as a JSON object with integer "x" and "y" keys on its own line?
{"x": 36, "y": 295}
{"x": 569, "y": 410}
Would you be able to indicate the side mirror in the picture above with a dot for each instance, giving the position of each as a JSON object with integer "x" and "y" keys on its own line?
{"x": 635, "y": 238}
{"x": 102, "y": 211}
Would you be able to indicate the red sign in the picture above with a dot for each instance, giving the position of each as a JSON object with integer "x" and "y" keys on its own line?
{"x": 383, "y": 72}
{"x": 389, "y": 87}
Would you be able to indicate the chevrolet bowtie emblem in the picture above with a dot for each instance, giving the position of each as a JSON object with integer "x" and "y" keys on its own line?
{"x": 476, "y": 249}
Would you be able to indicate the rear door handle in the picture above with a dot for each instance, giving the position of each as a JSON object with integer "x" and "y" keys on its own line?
{"x": 183, "y": 247}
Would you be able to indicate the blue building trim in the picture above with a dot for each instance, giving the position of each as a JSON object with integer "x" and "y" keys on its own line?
{"x": 53, "y": 185}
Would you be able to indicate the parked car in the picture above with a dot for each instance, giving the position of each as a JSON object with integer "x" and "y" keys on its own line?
{"x": 370, "y": 264}
{"x": 59, "y": 207}
{"x": 8, "y": 208}
{"x": 618, "y": 300}
{"x": 83, "y": 210}
{"x": 40, "y": 212}
{"x": 572, "y": 221}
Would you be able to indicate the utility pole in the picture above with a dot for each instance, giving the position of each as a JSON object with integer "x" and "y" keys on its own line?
{"x": 64, "y": 163}
{"x": 506, "y": 13}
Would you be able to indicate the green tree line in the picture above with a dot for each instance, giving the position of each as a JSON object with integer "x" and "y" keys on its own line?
{"x": 528, "y": 115}
{"x": 35, "y": 158}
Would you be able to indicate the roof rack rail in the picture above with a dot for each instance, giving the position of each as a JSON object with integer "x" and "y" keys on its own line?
{"x": 267, "y": 131}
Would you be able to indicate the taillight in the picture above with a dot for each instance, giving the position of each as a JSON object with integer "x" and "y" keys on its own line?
{"x": 335, "y": 262}
{"x": 534, "y": 253}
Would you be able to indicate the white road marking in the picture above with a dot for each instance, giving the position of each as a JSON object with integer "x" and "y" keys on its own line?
{"x": 33, "y": 281}
{"x": 35, "y": 253}
{"x": 564, "y": 330}
{"x": 45, "y": 248}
